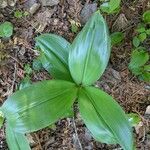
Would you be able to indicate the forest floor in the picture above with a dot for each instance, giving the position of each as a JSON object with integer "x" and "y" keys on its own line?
{"x": 131, "y": 93}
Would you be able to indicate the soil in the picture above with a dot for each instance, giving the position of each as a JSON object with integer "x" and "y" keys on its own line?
{"x": 131, "y": 93}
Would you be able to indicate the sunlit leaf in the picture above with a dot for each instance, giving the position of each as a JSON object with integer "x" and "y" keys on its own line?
{"x": 105, "y": 118}
{"x": 39, "y": 105}
{"x": 16, "y": 141}
{"x": 55, "y": 55}
{"x": 90, "y": 51}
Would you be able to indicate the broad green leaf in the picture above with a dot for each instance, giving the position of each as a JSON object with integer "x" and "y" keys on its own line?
{"x": 146, "y": 16}
{"x": 138, "y": 58}
{"x": 16, "y": 141}
{"x": 136, "y": 41}
{"x": 90, "y": 51}
{"x": 39, "y": 105}
{"x": 55, "y": 51}
{"x": 116, "y": 38}
{"x": 134, "y": 119}
{"x": 105, "y": 118}
{"x": 6, "y": 29}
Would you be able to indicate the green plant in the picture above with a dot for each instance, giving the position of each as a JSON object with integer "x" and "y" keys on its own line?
{"x": 111, "y": 6}
{"x": 146, "y": 16}
{"x": 142, "y": 33}
{"x": 138, "y": 64}
{"x": 134, "y": 119}
{"x": 140, "y": 57}
{"x": 75, "y": 68}
{"x": 74, "y": 26}
{"x": 20, "y": 14}
{"x": 6, "y": 29}
{"x": 116, "y": 38}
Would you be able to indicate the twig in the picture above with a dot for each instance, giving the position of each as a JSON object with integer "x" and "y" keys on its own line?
{"x": 15, "y": 60}
{"x": 14, "y": 78}
{"x": 38, "y": 140}
{"x": 76, "y": 133}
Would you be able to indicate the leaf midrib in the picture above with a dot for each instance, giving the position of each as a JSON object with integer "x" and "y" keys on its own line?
{"x": 94, "y": 105}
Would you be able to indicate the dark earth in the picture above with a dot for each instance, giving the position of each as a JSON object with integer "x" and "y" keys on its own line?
{"x": 55, "y": 17}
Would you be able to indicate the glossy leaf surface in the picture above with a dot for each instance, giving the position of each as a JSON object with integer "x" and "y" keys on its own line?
{"x": 16, "y": 141}
{"x": 39, "y": 105}
{"x": 55, "y": 55}
{"x": 105, "y": 118}
{"x": 90, "y": 51}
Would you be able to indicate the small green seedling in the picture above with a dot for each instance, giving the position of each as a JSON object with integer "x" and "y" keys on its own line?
{"x": 111, "y": 6}
{"x": 139, "y": 64}
{"x": 134, "y": 119}
{"x": 116, "y": 38}
{"x": 142, "y": 31}
{"x": 74, "y": 26}
{"x": 146, "y": 17}
{"x": 140, "y": 57}
{"x": 6, "y": 29}
{"x": 75, "y": 68}
{"x": 20, "y": 14}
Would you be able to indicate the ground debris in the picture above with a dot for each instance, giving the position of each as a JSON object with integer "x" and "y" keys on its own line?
{"x": 87, "y": 11}
{"x": 49, "y": 2}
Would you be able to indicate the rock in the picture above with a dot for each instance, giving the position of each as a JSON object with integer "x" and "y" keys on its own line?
{"x": 42, "y": 19}
{"x": 147, "y": 112}
{"x": 11, "y": 2}
{"x": 49, "y": 2}
{"x": 28, "y": 4}
{"x": 34, "y": 8}
{"x": 87, "y": 11}
{"x": 3, "y": 3}
{"x": 121, "y": 23}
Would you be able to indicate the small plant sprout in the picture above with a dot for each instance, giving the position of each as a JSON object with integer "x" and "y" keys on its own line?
{"x": 111, "y": 6}
{"x": 6, "y": 29}
{"x": 75, "y": 68}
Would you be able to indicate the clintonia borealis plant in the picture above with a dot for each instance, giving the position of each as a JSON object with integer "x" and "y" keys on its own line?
{"x": 75, "y": 68}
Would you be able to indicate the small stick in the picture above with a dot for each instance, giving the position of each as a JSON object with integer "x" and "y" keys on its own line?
{"x": 76, "y": 133}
